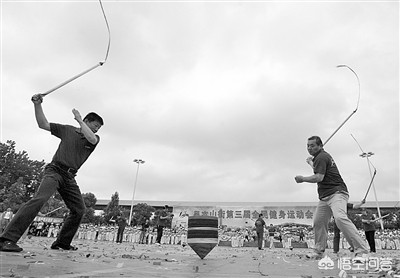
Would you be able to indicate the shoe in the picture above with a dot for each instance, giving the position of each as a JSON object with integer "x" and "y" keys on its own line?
{"x": 9, "y": 246}
{"x": 314, "y": 256}
{"x": 58, "y": 246}
{"x": 364, "y": 255}
{"x": 361, "y": 258}
{"x": 260, "y": 248}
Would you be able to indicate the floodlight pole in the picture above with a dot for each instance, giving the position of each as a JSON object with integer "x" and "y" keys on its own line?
{"x": 138, "y": 161}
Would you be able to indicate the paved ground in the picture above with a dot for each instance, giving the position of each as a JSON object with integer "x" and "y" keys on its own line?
{"x": 108, "y": 259}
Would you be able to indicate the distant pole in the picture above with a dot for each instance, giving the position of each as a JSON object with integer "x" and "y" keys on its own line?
{"x": 138, "y": 161}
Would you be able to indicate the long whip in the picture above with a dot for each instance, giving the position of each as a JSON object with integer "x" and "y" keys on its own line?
{"x": 91, "y": 68}
{"x": 355, "y": 110}
{"x": 54, "y": 210}
{"x": 367, "y": 155}
{"x": 364, "y": 154}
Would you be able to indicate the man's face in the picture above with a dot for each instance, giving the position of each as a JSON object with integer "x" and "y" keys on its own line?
{"x": 94, "y": 126}
{"x": 312, "y": 147}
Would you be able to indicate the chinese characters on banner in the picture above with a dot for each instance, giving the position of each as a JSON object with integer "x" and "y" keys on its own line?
{"x": 245, "y": 216}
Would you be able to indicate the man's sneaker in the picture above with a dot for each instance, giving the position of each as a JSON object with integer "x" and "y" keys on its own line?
{"x": 314, "y": 256}
{"x": 364, "y": 255}
{"x": 59, "y": 246}
{"x": 9, "y": 246}
{"x": 339, "y": 254}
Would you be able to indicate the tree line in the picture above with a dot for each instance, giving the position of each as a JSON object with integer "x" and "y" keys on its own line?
{"x": 20, "y": 177}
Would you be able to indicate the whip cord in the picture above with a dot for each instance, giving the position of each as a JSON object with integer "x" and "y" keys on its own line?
{"x": 355, "y": 110}
{"x": 91, "y": 68}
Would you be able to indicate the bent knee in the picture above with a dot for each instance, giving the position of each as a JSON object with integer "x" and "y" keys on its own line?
{"x": 340, "y": 215}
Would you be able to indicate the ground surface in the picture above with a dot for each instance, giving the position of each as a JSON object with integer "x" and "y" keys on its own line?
{"x": 108, "y": 259}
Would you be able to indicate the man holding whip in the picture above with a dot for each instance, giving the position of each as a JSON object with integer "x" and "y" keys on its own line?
{"x": 75, "y": 147}
{"x": 333, "y": 198}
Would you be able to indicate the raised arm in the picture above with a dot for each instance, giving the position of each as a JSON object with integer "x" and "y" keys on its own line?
{"x": 87, "y": 132}
{"x": 39, "y": 114}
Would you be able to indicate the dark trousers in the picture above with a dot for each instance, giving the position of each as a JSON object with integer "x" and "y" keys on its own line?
{"x": 142, "y": 238}
{"x": 260, "y": 237}
{"x": 54, "y": 180}
{"x": 120, "y": 234}
{"x": 159, "y": 233}
{"x": 370, "y": 236}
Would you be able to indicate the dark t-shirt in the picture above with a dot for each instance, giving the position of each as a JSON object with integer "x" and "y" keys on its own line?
{"x": 74, "y": 148}
{"x": 145, "y": 226}
{"x": 121, "y": 222}
{"x": 259, "y": 225}
{"x": 332, "y": 182}
{"x": 271, "y": 231}
{"x": 163, "y": 222}
{"x": 368, "y": 227}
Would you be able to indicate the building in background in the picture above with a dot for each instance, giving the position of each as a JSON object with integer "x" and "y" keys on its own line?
{"x": 240, "y": 214}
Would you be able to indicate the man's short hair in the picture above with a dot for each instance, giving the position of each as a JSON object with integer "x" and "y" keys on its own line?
{"x": 91, "y": 117}
{"x": 317, "y": 140}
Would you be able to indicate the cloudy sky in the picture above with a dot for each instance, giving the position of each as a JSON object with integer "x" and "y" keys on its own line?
{"x": 218, "y": 98}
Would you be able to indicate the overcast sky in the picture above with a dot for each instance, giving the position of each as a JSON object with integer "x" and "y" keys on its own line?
{"x": 218, "y": 98}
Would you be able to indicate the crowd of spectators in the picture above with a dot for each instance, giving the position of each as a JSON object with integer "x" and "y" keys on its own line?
{"x": 384, "y": 239}
{"x": 285, "y": 237}
{"x": 132, "y": 234}
{"x": 40, "y": 228}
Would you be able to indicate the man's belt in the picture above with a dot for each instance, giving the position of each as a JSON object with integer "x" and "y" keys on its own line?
{"x": 65, "y": 168}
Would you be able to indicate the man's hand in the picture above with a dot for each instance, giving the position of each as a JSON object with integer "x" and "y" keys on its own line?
{"x": 309, "y": 161}
{"x": 37, "y": 99}
{"x": 299, "y": 179}
{"x": 77, "y": 115}
{"x": 357, "y": 206}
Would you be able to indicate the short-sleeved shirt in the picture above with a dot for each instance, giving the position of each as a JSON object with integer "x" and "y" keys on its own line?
{"x": 163, "y": 222}
{"x": 145, "y": 226}
{"x": 8, "y": 215}
{"x": 121, "y": 222}
{"x": 368, "y": 226}
{"x": 259, "y": 224}
{"x": 74, "y": 148}
{"x": 271, "y": 231}
{"x": 324, "y": 164}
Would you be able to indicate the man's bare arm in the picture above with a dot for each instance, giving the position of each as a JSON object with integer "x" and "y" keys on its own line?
{"x": 311, "y": 179}
{"x": 87, "y": 132}
{"x": 39, "y": 114}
